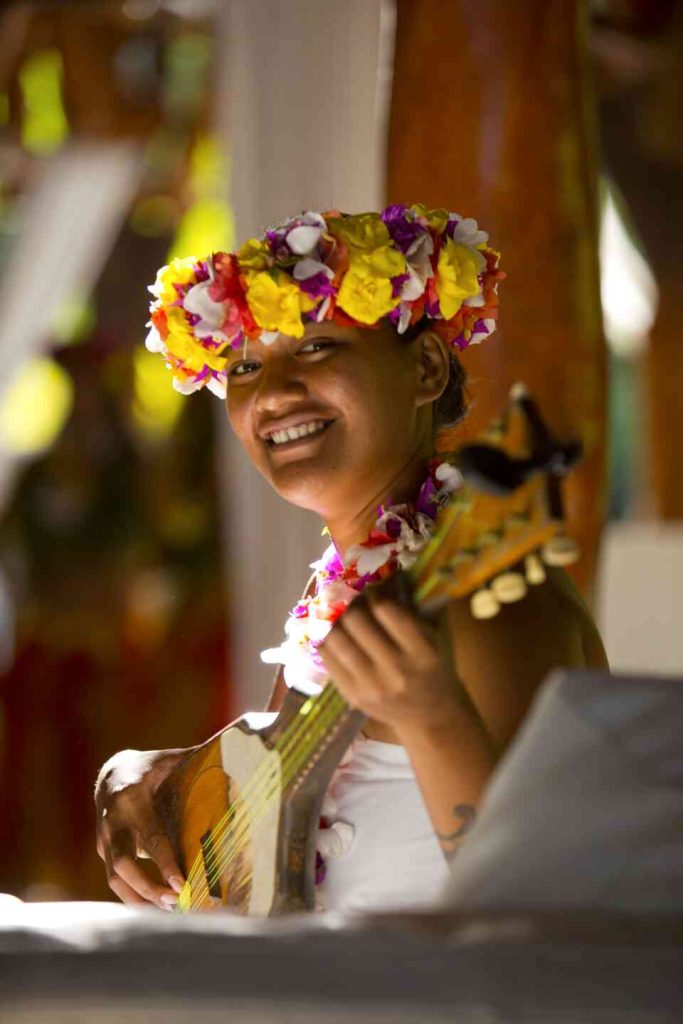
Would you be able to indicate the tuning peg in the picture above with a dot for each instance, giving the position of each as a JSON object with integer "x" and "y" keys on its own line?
{"x": 535, "y": 573}
{"x": 509, "y": 587}
{"x": 484, "y": 604}
{"x": 560, "y": 550}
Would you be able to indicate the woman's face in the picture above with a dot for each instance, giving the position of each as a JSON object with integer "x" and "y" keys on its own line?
{"x": 358, "y": 392}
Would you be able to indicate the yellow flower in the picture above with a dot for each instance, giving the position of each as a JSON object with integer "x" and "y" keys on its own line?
{"x": 182, "y": 344}
{"x": 362, "y": 230}
{"x": 178, "y": 271}
{"x": 437, "y": 219}
{"x": 364, "y": 295}
{"x": 254, "y": 254}
{"x": 277, "y": 303}
{"x": 456, "y": 277}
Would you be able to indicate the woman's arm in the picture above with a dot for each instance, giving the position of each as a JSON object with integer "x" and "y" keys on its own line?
{"x": 456, "y": 711}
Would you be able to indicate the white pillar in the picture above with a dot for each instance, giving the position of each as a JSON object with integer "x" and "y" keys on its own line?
{"x": 303, "y": 94}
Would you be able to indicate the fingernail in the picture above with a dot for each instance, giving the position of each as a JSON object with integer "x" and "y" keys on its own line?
{"x": 168, "y": 901}
{"x": 176, "y": 883}
{"x": 163, "y": 906}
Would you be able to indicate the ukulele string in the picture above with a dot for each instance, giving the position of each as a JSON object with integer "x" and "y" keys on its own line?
{"x": 276, "y": 781}
{"x": 266, "y": 779}
{"x": 258, "y": 779}
{"x": 246, "y": 822}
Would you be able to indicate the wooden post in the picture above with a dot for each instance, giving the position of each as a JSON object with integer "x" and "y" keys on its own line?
{"x": 492, "y": 117}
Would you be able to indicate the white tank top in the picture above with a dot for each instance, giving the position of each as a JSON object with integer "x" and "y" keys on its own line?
{"x": 394, "y": 860}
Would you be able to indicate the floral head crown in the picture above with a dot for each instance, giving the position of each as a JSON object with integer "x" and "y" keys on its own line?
{"x": 403, "y": 264}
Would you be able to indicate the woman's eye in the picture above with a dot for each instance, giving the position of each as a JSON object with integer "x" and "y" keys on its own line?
{"x": 240, "y": 369}
{"x": 316, "y": 346}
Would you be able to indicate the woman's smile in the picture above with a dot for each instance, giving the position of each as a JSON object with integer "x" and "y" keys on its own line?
{"x": 293, "y": 439}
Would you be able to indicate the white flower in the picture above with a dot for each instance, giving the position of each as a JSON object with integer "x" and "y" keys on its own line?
{"x": 479, "y": 333}
{"x": 199, "y": 303}
{"x": 418, "y": 267}
{"x": 187, "y": 386}
{"x": 467, "y": 232}
{"x": 369, "y": 559}
{"x": 303, "y": 240}
{"x": 404, "y": 318}
{"x": 450, "y": 477}
{"x": 268, "y": 337}
{"x": 154, "y": 342}
{"x": 218, "y": 385}
{"x": 308, "y": 267}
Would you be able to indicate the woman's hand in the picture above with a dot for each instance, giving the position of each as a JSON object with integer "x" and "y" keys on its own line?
{"x": 129, "y": 827}
{"x": 392, "y": 665}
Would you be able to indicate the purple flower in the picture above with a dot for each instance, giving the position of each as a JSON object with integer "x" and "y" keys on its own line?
{"x": 427, "y": 498}
{"x": 320, "y": 869}
{"x": 317, "y": 286}
{"x": 433, "y": 309}
{"x": 403, "y": 232}
{"x": 393, "y": 528}
{"x": 451, "y": 226}
{"x": 394, "y": 315}
{"x": 397, "y": 284}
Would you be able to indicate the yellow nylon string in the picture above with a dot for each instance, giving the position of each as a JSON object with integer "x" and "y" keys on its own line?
{"x": 237, "y": 823}
{"x": 291, "y": 765}
{"x": 244, "y": 821}
{"x": 260, "y": 777}
{"x": 257, "y": 780}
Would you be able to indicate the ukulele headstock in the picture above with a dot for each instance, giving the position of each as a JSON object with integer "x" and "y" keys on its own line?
{"x": 508, "y": 514}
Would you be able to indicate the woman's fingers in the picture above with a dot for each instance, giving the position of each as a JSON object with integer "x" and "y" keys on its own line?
{"x": 125, "y": 893}
{"x": 158, "y": 848}
{"x": 370, "y": 636}
{"x": 119, "y": 856}
{"x": 404, "y": 628}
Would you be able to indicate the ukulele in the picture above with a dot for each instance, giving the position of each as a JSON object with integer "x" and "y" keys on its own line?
{"x": 243, "y": 810}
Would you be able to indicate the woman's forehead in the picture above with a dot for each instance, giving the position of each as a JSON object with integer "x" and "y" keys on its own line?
{"x": 283, "y": 341}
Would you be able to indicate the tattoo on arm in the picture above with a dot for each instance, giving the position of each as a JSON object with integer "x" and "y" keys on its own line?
{"x": 451, "y": 841}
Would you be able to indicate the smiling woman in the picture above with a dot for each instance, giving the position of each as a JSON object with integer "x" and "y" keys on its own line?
{"x": 333, "y": 340}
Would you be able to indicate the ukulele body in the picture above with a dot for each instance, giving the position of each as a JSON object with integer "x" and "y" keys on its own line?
{"x": 242, "y": 826}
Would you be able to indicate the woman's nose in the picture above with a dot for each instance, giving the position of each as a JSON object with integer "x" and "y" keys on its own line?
{"x": 280, "y": 382}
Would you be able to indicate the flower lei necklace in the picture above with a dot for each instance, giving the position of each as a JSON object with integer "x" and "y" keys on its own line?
{"x": 399, "y": 534}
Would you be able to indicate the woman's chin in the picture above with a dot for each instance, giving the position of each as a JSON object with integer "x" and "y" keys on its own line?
{"x": 306, "y": 483}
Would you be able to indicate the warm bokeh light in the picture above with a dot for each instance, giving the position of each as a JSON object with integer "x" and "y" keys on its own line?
{"x": 627, "y": 285}
{"x": 156, "y": 407}
{"x": 35, "y": 408}
{"x": 44, "y": 125}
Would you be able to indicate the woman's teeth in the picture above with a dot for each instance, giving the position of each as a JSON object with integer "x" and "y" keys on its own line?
{"x": 294, "y": 433}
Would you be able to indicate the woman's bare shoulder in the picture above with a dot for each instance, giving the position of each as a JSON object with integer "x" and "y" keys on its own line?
{"x": 502, "y": 661}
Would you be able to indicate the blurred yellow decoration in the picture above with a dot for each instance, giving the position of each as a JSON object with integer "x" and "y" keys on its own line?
{"x": 156, "y": 407}
{"x": 44, "y": 125}
{"x": 208, "y": 224}
{"x": 73, "y": 321}
{"x": 155, "y": 216}
{"x": 36, "y": 407}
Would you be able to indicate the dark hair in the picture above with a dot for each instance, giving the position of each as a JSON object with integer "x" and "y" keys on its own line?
{"x": 451, "y": 406}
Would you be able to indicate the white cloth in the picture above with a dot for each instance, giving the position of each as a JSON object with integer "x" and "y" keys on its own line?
{"x": 586, "y": 808}
{"x": 393, "y": 860}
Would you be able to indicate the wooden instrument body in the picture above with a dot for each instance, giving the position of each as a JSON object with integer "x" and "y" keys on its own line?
{"x": 276, "y": 822}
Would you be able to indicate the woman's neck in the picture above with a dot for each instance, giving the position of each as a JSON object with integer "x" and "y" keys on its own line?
{"x": 353, "y": 524}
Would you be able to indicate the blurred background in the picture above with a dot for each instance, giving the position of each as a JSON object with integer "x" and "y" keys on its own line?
{"x": 142, "y": 563}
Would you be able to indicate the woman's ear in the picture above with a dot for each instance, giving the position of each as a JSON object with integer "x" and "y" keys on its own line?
{"x": 433, "y": 366}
